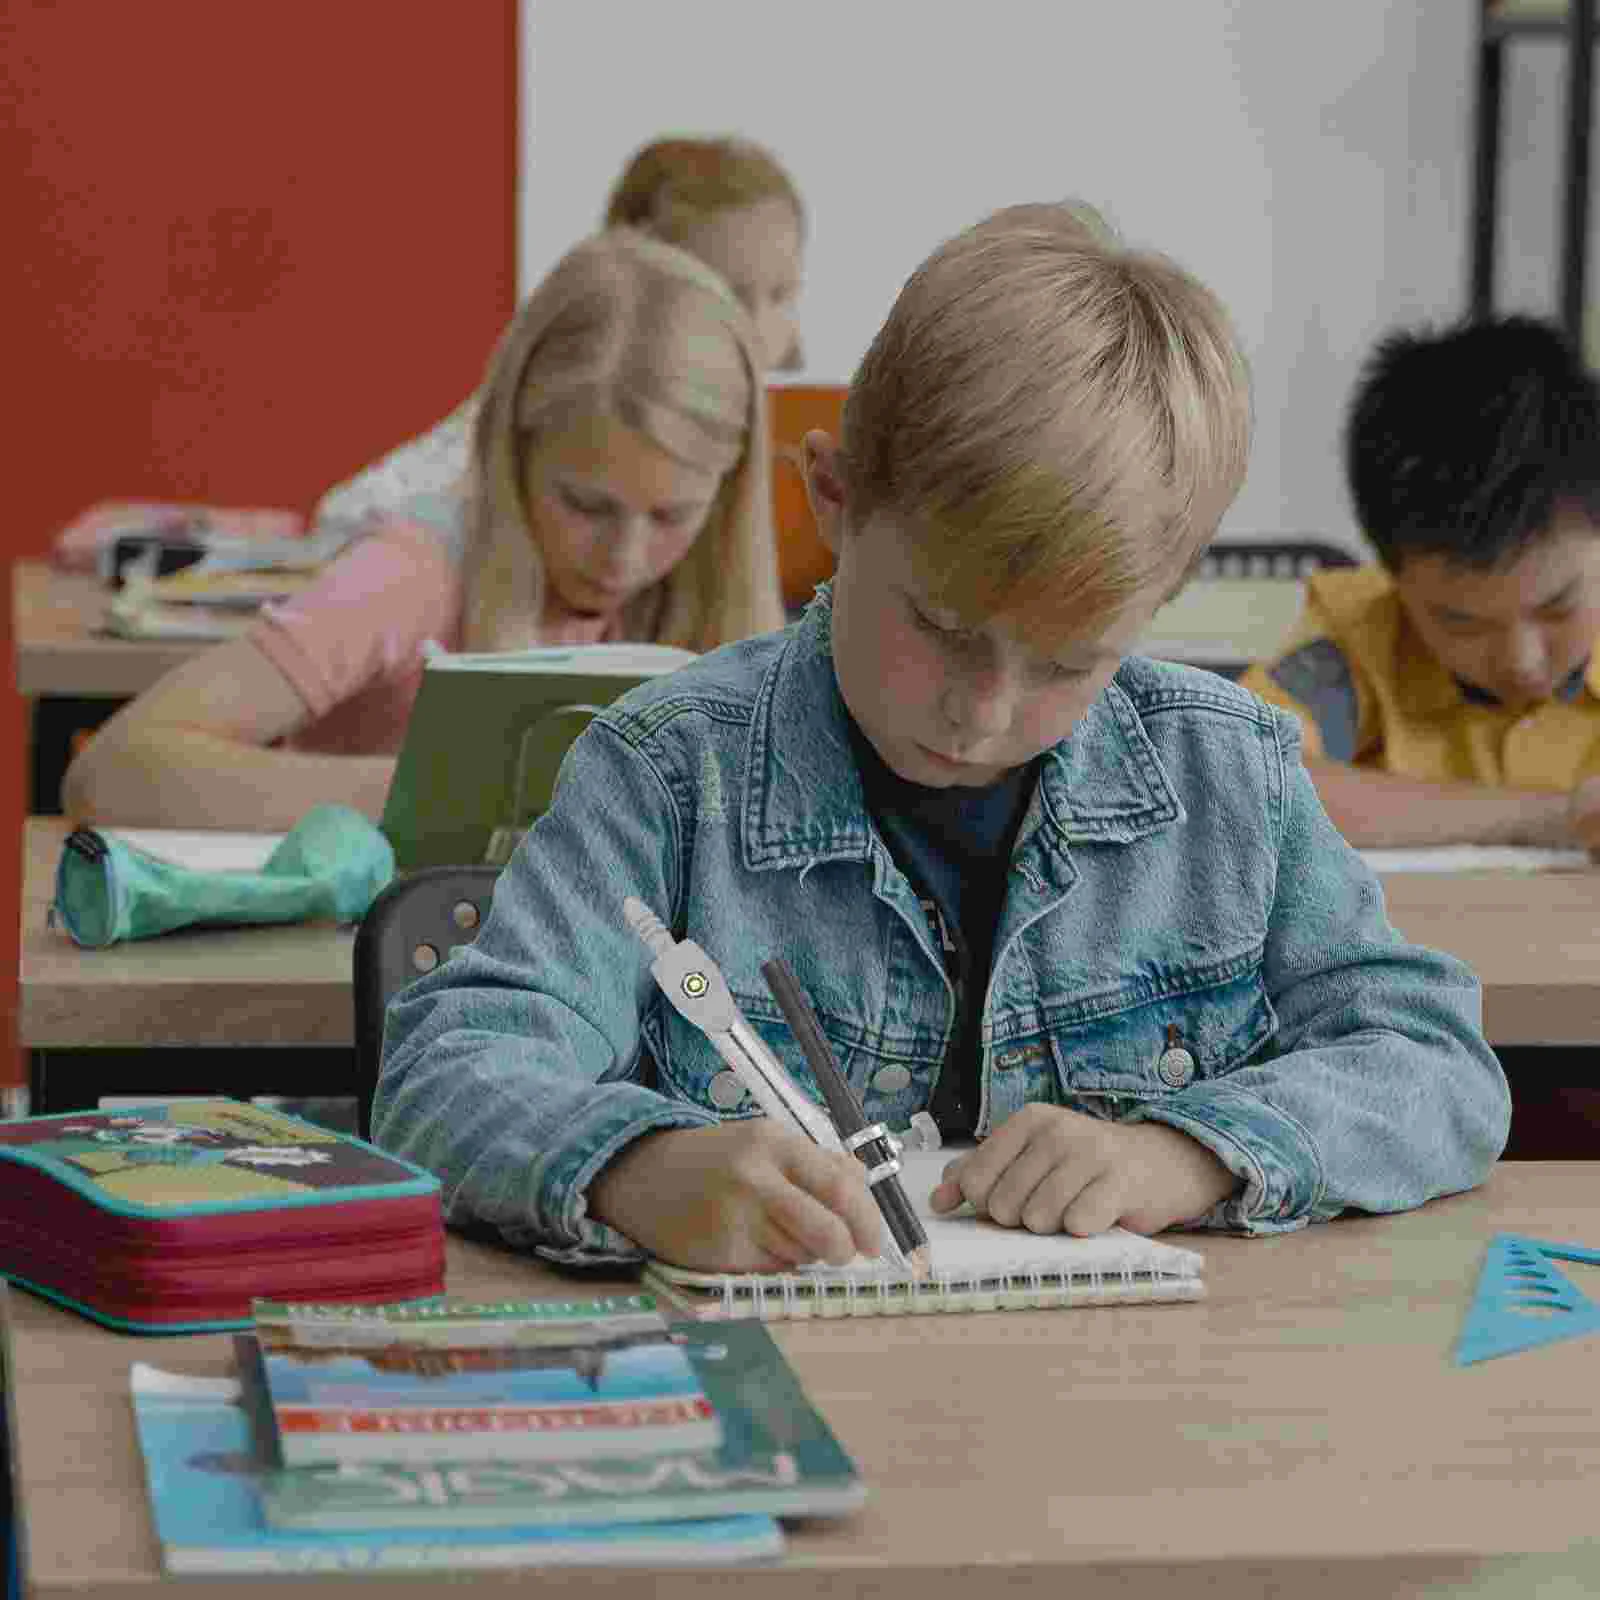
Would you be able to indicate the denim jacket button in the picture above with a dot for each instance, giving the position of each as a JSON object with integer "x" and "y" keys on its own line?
{"x": 726, "y": 1091}
{"x": 891, "y": 1080}
{"x": 1175, "y": 1067}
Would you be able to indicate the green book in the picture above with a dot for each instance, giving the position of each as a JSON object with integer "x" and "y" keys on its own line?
{"x": 486, "y": 738}
{"x": 448, "y": 1381}
{"x": 778, "y": 1456}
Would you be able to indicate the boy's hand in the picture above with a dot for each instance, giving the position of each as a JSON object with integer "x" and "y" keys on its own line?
{"x": 1051, "y": 1170}
{"x": 744, "y": 1196}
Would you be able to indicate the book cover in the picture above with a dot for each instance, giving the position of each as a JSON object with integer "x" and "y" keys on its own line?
{"x": 778, "y": 1456}
{"x": 203, "y": 1470}
{"x": 177, "y": 1216}
{"x": 518, "y": 1380}
{"x": 486, "y": 738}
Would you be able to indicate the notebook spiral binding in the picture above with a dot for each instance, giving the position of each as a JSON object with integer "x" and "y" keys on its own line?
{"x": 865, "y": 1294}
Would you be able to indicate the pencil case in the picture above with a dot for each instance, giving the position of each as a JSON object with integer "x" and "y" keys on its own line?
{"x": 330, "y": 865}
{"x": 173, "y": 1218}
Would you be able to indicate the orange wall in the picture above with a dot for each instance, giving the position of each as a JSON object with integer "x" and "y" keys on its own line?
{"x": 245, "y": 250}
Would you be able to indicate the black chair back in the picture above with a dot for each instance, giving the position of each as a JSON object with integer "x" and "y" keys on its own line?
{"x": 408, "y": 930}
{"x": 1287, "y": 559}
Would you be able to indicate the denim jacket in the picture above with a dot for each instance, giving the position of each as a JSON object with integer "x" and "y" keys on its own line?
{"x": 1174, "y": 880}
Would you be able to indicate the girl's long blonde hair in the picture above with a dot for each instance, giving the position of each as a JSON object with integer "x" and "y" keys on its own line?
{"x": 629, "y": 328}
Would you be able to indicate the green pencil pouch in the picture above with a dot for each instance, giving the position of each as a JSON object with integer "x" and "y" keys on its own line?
{"x": 330, "y": 865}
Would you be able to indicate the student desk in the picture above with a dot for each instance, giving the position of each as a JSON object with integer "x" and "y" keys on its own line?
{"x": 1303, "y": 1430}
{"x": 155, "y": 1015}
{"x": 1532, "y": 938}
{"x": 73, "y": 676}
{"x": 226, "y": 1011}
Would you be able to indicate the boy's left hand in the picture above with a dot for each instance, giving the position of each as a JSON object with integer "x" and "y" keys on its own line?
{"x": 1051, "y": 1170}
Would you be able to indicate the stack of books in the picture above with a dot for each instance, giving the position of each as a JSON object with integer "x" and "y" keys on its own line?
{"x": 210, "y": 587}
{"x": 438, "y": 1435}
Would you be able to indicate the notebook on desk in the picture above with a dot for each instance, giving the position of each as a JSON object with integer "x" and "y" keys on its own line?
{"x": 977, "y": 1266}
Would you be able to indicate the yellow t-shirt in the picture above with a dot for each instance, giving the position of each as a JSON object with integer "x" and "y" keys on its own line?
{"x": 1367, "y": 690}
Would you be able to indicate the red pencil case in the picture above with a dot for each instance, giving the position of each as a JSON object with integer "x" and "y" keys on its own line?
{"x": 174, "y": 1218}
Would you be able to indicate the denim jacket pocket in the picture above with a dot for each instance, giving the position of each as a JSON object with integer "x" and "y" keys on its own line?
{"x": 688, "y": 1067}
{"x": 1150, "y": 1049}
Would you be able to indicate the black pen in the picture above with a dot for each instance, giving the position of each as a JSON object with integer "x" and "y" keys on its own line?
{"x": 877, "y": 1148}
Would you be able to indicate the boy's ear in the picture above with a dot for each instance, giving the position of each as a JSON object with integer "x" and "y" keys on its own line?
{"x": 825, "y": 487}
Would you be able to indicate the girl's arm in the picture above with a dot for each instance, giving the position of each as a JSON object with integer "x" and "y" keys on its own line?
{"x": 192, "y": 752}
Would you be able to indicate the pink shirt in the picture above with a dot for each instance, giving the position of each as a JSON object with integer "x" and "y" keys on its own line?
{"x": 352, "y": 644}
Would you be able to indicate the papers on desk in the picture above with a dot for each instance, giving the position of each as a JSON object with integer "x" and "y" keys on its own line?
{"x": 133, "y": 617}
{"x": 1476, "y": 858}
{"x": 204, "y": 851}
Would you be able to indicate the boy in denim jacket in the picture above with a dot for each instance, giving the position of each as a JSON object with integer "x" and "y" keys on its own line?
{"x": 1082, "y": 906}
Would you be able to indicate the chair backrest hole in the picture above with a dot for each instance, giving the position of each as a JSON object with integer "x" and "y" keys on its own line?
{"x": 464, "y": 914}
{"x": 424, "y": 958}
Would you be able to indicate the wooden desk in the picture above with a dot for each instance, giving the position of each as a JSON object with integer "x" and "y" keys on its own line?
{"x": 73, "y": 676}
{"x": 230, "y": 1011}
{"x": 1302, "y": 1430}
{"x": 1532, "y": 938}
{"x": 54, "y": 621}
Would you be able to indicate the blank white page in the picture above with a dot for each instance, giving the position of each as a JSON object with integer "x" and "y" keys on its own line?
{"x": 1476, "y": 858}
{"x": 204, "y": 850}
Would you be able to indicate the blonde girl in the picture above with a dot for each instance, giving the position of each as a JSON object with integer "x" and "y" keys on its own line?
{"x": 616, "y": 490}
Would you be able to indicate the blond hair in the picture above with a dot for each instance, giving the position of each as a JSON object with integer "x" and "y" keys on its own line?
{"x": 673, "y": 186}
{"x": 1061, "y": 421}
{"x": 628, "y": 328}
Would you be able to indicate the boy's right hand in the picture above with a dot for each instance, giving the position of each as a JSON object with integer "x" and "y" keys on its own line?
{"x": 744, "y": 1196}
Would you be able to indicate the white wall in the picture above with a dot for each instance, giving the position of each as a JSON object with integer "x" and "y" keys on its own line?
{"x": 1311, "y": 162}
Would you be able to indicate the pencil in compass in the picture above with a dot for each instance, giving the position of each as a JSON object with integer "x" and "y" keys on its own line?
{"x": 877, "y": 1149}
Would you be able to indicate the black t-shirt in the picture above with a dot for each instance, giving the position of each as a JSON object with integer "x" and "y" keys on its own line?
{"x": 954, "y": 845}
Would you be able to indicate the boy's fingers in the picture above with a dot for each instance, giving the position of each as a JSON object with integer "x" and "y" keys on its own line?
{"x": 839, "y": 1182}
{"x": 1096, "y": 1207}
{"x": 1036, "y": 1165}
{"x": 777, "y": 1242}
{"x": 947, "y": 1196}
{"x": 820, "y": 1233}
{"x": 977, "y": 1171}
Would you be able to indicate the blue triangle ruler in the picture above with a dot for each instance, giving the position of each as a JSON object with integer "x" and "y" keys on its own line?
{"x": 1524, "y": 1300}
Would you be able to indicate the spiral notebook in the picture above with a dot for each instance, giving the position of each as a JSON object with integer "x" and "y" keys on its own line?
{"x": 977, "y": 1266}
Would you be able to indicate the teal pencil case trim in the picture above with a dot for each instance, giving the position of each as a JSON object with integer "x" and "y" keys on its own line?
{"x": 330, "y": 866}
{"x": 397, "y": 1176}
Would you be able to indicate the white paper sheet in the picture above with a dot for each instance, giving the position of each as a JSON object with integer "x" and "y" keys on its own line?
{"x": 205, "y": 851}
{"x": 1476, "y": 858}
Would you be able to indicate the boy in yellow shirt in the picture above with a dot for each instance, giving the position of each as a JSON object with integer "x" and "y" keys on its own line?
{"x": 1451, "y": 694}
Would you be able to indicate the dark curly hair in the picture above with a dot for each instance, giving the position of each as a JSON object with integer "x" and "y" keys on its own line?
{"x": 1466, "y": 443}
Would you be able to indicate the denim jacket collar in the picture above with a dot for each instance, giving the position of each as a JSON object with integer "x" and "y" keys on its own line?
{"x": 804, "y": 802}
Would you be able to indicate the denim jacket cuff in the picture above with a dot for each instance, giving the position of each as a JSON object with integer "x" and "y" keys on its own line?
{"x": 1270, "y": 1151}
{"x": 625, "y": 1112}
